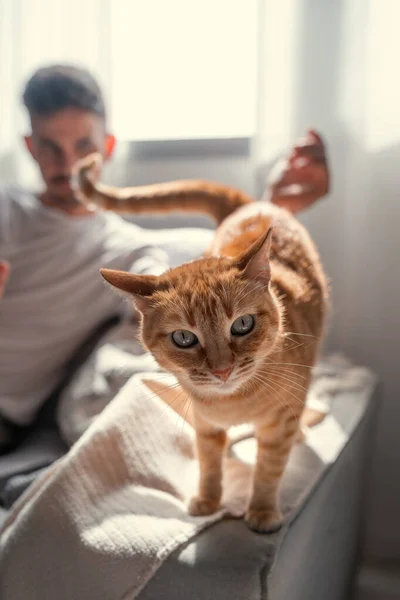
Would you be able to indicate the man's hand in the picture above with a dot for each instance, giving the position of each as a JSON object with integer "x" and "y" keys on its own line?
{"x": 4, "y": 275}
{"x": 298, "y": 181}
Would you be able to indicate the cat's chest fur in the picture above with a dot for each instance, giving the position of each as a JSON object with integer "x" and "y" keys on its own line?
{"x": 235, "y": 410}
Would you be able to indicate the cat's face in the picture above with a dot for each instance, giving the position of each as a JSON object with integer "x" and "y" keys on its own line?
{"x": 211, "y": 322}
{"x": 212, "y": 329}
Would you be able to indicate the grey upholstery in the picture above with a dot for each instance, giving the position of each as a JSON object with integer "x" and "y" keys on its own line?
{"x": 17, "y": 469}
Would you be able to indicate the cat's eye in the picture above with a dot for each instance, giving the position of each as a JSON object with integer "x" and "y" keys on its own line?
{"x": 184, "y": 339}
{"x": 243, "y": 325}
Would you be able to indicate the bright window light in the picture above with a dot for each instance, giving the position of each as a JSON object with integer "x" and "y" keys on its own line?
{"x": 183, "y": 68}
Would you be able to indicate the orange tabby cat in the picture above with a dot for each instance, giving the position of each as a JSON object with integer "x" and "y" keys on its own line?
{"x": 239, "y": 328}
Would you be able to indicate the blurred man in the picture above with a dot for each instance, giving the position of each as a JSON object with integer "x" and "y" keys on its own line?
{"x": 51, "y": 247}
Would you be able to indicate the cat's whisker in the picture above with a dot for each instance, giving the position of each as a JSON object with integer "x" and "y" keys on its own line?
{"x": 153, "y": 395}
{"x": 166, "y": 388}
{"x": 168, "y": 404}
{"x": 179, "y": 412}
{"x": 277, "y": 373}
{"x": 160, "y": 392}
{"x": 291, "y": 364}
{"x": 286, "y": 369}
{"x": 278, "y": 387}
{"x": 295, "y": 365}
{"x": 285, "y": 387}
{"x": 283, "y": 369}
{"x": 159, "y": 375}
{"x": 269, "y": 374}
{"x": 282, "y": 350}
{"x": 294, "y": 344}
{"x": 301, "y": 334}
{"x": 188, "y": 401}
{"x": 283, "y": 383}
{"x": 281, "y": 400}
{"x": 299, "y": 344}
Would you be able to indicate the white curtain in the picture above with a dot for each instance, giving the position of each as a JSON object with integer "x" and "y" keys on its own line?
{"x": 334, "y": 65}
{"x": 36, "y": 32}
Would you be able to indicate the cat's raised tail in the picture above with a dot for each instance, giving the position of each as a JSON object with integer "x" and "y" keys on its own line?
{"x": 191, "y": 195}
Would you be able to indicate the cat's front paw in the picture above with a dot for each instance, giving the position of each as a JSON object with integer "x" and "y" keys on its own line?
{"x": 199, "y": 507}
{"x": 266, "y": 520}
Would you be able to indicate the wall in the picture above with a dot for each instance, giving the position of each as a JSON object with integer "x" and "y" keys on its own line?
{"x": 349, "y": 53}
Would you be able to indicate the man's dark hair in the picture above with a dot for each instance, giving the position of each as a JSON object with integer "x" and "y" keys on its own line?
{"x": 55, "y": 87}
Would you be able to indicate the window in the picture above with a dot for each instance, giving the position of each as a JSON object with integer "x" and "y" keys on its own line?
{"x": 183, "y": 69}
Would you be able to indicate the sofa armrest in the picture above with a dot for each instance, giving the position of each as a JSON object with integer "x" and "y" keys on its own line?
{"x": 313, "y": 556}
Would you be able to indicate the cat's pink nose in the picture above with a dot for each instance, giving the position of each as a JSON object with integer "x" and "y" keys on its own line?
{"x": 222, "y": 374}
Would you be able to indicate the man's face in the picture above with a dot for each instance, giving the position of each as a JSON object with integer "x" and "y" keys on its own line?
{"x": 59, "y": 141}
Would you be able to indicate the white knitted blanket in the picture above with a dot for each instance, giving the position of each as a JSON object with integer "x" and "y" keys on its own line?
{"x": 102, "y": 520}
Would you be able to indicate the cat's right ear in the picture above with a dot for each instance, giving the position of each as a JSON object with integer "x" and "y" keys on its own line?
{"x": 254, "y": 262}
{"x": 139, "y": 287}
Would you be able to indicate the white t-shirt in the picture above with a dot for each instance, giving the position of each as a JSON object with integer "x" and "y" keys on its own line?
{"x": 55, "y": 296}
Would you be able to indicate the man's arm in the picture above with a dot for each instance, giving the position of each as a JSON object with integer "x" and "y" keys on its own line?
{"x": 149, "y": 260}
{"x": 301, "y": 179}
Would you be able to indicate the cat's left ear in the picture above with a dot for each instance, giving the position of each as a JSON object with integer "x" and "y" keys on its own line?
{"x": 254, "y": 262}
{"x": 139, "y": 287}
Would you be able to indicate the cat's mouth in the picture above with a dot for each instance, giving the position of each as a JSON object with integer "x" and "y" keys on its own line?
{"x": 208, "y": 384}
{"x": 227, "y": 387}
{"x": 216, "y": 386}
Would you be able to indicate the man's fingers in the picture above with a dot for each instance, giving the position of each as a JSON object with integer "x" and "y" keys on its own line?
{"x": 311, "y": 145}
{"x": 312, "y": 137}
{"x": 304, "y": 178}
{"x": 315, "y": 136}
{"x": 311, "y": 151}
{"x": 309, "y": 172}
